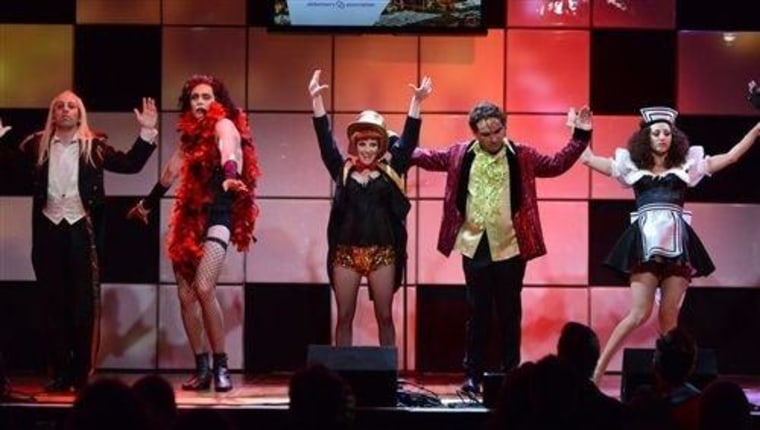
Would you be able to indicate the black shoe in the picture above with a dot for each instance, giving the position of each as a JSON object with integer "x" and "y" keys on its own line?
{"x": 59, "y": 385}
{"x": 201, "y": 380}
{"x": 471, "y": 386}
{"x": 222, "y": 381}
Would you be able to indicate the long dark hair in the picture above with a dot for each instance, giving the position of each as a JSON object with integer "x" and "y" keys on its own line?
{"x": 221, "y": 94}
{"x": 640, "y": 147}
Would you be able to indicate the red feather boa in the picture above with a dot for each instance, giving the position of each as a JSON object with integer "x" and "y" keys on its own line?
{"x": 196, "y": 192}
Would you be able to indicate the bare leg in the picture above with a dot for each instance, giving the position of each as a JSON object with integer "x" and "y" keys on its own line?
{"x": 381, "y": 284}
{"x": 205, "y": 283}
{"x": 673, "y": 290}
{"x": 643, "y": 287}
{"x": 346, "y": 284}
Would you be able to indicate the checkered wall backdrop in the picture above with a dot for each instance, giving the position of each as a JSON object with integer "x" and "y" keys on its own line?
{"x": 694, "y": 56}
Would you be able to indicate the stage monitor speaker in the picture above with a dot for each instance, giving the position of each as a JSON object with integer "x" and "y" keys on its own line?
{"x": 637, "y": 370}
{"x": 371, "y": 371}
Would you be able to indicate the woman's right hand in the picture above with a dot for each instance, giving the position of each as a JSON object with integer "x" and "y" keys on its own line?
{"x": 315, "y": 88}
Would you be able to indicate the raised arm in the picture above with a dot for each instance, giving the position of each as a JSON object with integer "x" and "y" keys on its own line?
{"x": 420, "y": 94}
{"x": 315, "y": 89}
{"x": 720, "y": 161}
{"x": 133, "y": 160}
{"x": 328, "y": 149}
{"x": 600, "y": 164}
{"x": 546, "y": 166}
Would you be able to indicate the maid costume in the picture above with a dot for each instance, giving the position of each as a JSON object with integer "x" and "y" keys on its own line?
{"x": 660, "y": 228}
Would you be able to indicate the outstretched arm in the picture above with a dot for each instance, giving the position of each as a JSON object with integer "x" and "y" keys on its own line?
{"x": 546, "y": 166}
{"x": 720, "y": 161}
{"x": 600, "y": 164}
{"x": 328, "y": 149}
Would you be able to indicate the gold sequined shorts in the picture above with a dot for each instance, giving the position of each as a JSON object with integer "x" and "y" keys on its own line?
{"x": 363, "y": 259}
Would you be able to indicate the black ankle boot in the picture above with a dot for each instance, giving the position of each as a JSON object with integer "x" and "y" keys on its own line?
{"x": 222, "y": 381}
{"x": 202, "y": 379}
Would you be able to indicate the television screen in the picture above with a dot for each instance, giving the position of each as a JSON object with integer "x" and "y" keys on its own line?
{"x": 380, "y": 16}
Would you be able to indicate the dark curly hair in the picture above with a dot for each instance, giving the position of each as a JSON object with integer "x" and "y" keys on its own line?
{"x": 640, "y": 147}
{"x": 485, "y": 110}
{"x": 221, "y": 94}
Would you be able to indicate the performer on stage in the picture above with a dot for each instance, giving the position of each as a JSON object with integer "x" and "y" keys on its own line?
{"x": 218, "y": 167}
{"x": 367, "y": 231}
{"x": 490, "y": 215}
{"x": 67, "y": 159}
{"x": 659, "y": 248}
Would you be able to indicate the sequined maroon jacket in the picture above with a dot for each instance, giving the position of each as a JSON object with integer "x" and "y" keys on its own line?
{"x": 525, "y": 165}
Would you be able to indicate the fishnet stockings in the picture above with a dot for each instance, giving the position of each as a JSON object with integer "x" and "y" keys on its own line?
{"x": 200, "y": 308}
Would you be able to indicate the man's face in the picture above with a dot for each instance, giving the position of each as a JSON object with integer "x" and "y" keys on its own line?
{"x": 66, "y": 112}
{"x": 661, "y": 137}
{"x": 490, "y": 134}
{"x": 201, "y": 98}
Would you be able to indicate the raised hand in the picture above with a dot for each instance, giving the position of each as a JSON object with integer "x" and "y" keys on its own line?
{"x": 3, "y": 130}
{"x": 583, "y": 118}
{"x": 424, "y": 90}
{"x": 315, "y": 88}
{"x": 148, "y": 116}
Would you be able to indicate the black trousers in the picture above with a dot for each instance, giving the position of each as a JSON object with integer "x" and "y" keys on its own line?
{"x": 63, "y": 261}
{"x": 492, "y": 284}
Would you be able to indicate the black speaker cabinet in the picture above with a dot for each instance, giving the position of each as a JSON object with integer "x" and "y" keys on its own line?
{"x": 637, "y": 370}
{"x": 371, "y": 371}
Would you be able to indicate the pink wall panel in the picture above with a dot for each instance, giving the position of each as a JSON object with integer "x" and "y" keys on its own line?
{"x": 16, "y": 238}
{"x": 372, "y": 72}
{"x": 128, "y": 331}
{"x": 548, "y": 134}
{"x": 548, "y": 13}
{"x": 289, "y": 161}
{"x": 565, "y": 227}
{"x": 223, "y": 56}
{"x": 122, "y": 130}
{"x": 464, "y": 70}
{"x": 292, "y": 242}
{"x": 545, "y": 312}
{"x": 547, "y": 70}
{"x": 713, "y": 71}
{"x": 634, "y": 13}
{"x": 731, "y": 234}
{"x": 608, "y": 307}
{"x": 610, "y": 132}
{"x": 285, "y": 87}
{"x": 439, "y": 132}
{"x": 174, "y": 351}
{"x": 434, "y": 268}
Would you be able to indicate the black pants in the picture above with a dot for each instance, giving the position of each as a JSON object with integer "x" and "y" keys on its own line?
{"x": 488, "y": 284}
{"x": 62, "y": 257}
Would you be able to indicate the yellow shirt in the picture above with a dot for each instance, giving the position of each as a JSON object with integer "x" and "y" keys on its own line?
{"x": 488, "y": 207}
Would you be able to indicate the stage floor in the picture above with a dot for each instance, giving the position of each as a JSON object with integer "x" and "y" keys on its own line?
{"x": 272, "y": 389}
